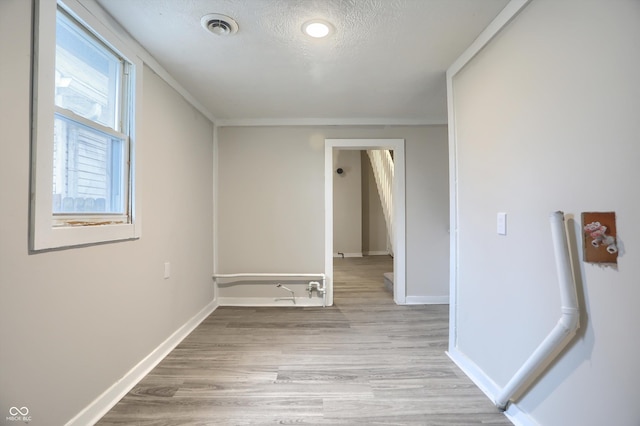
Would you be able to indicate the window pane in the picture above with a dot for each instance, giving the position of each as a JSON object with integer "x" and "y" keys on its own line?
{"x": 88, "y": 170}
{"x": 87, "y": 74}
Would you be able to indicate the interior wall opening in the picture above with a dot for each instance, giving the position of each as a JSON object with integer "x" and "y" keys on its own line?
{"x": 362, "y": 245}
{"x": 345, "y": 177}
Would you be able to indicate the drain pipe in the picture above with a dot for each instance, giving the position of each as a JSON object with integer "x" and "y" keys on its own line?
{"x": 293, "y": 295}
{"x": 319, "y": 289}
{"x": 564, "y": 330}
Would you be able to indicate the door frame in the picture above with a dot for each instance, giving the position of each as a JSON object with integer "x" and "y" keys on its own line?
{"x": 399, "y": 216}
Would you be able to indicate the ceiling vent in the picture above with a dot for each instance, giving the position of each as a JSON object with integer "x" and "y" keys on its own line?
{"x": 218, "y": 24}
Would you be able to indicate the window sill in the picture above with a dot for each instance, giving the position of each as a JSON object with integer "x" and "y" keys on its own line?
{"x": 55, "y": 238}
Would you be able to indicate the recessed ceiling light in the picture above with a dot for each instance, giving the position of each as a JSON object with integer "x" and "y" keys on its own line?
{"x": 218, "y": 24}
{"x": 317, "y": 28}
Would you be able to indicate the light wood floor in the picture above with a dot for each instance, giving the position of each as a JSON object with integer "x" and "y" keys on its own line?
{"x": 362, "y": 361}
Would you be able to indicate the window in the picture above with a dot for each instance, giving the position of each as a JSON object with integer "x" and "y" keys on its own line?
{"x": 83, "y": 186}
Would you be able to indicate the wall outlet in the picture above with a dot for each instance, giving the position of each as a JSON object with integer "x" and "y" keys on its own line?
{"x": 167, "y": 270}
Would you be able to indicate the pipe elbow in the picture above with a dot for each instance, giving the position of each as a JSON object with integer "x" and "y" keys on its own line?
{"x": 502, "y": 406}
{"x": 570, "y": 319}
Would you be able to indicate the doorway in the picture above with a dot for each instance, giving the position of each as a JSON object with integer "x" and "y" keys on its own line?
{"x": 399, "y": 243}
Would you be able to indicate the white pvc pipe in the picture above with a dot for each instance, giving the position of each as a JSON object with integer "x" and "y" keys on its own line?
{"x": 566, "y": 327}
{"x": 284, "y": 275}
{"x": 252, "y": 274}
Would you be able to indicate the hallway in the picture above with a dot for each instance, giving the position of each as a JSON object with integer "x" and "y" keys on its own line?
{"x": 363, "y": 361}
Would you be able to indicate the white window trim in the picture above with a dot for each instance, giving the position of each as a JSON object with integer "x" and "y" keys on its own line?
{"x": 43, "y": 235}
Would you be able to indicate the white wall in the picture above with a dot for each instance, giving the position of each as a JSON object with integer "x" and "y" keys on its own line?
{"x": 347, "y": 203}
{"x": 547, "y": 119}
{"x": 271, "y": 195}
{"x": 427, "y": 214}
{"x": 73, "y": 322}
{"x": 270, "y": 217}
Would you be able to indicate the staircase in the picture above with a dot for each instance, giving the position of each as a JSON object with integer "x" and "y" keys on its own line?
{"x": 382, "y": 165}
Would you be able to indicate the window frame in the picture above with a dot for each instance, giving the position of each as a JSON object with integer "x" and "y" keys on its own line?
{"x": 49, "y": 231}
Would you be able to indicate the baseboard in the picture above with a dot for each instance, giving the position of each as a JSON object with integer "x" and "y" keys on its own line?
{"x": 517, "y": 416}
{"x": 427, "y": 300}
{"x": 359, "y": 254}
{"x": 376, "y": 253}
{"x": 101, "y": 405}
{"x": 475, "y": 373}
{"x": 269, "y": 302}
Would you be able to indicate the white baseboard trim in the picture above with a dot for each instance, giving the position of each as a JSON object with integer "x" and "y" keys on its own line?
{"x": 269, "y": 302}
{"x": 427, "y": 300}
{"x": 475, "y": 373}
{"x": 347, "y": 254}
{"x": 110, "y": 397}
{"x": 517, "y": 416}
{"x": 376, "y": 253}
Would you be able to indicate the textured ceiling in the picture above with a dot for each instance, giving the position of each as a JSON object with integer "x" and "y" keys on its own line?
{"x": 385, "y": 62}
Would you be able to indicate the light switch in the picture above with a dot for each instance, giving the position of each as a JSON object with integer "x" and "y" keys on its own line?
{"x": 167, "y": 270}
{"x": 502, "y": 223}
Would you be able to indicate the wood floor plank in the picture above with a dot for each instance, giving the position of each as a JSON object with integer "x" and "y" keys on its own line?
{"x": 364, "y": 361}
